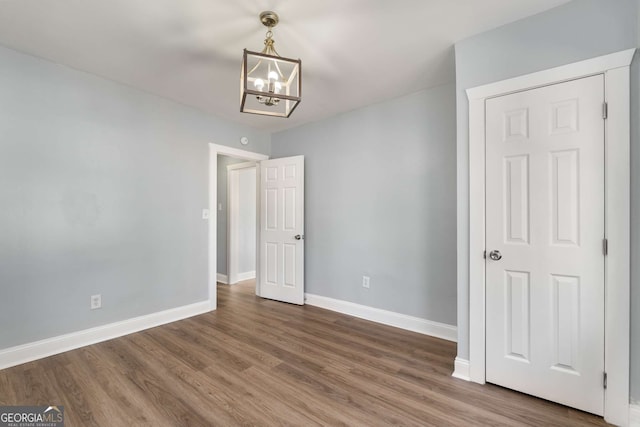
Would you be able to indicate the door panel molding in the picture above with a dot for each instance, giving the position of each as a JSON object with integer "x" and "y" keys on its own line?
{"x": 615, "y": 68}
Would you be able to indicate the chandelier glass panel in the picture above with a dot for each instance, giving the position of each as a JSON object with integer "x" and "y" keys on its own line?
{"x": 269, "y": 83}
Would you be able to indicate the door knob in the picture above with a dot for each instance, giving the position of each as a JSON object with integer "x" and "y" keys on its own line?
{"x": 299, "y": 237}
{"x": 495, "y": 255}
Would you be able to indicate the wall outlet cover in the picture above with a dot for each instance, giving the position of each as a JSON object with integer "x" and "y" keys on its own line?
{"x": 366, "y": 282}
{"x": 96, "y": 301}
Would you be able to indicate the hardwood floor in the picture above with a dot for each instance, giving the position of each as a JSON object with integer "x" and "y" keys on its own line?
{"x": 260, "y": 362}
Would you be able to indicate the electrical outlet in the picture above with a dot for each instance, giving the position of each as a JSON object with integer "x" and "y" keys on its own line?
{"x": 96, "y": 301}
{"x": 205, "y": 213}
{"x": 366, "y": 281}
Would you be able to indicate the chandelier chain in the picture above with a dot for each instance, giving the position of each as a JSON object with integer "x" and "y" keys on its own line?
{"x": 268, "y": 45}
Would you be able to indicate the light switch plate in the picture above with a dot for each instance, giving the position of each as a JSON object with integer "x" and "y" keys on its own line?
{"x": 205, "y": 213}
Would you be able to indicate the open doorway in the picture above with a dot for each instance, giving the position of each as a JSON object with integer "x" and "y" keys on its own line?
{"x": 280, "y": 265}
{"x": 214, "y": 151}
{"x": 236, "y": 220}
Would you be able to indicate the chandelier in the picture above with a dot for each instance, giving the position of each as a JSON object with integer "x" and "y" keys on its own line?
{"x": 270, "y": 84}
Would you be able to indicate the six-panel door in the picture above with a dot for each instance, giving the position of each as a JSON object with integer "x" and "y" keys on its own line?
{"x": 545, "y": 215}
{"x": 281, "y": 235}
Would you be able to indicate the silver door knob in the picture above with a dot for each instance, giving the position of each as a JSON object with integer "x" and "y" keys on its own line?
{"x": 495, "y": 255}
{"x": 299, "y": 237}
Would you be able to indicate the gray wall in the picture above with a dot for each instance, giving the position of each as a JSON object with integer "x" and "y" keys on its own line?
{"x": 380, "y": 186}
{"x": 576, "y": 31}
{"x": 101, "y": 191}
{"x": 221, "y": 251}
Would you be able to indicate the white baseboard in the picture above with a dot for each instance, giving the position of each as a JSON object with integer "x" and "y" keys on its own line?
{"x": 402, "y": 321}
{"x": 461, "y": 369}
{"x": 634, "y": 415}
{"x": 246, "y": 276}
{"x": 223, "y": 278}
{"x": 48, "y": 347}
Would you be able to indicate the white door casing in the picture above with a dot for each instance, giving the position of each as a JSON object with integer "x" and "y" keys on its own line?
{"x": 545, "y": 218}
{"x": 281, "y": 229}
{"x": 214, "y": 150}
{"x": 615, "y": 67}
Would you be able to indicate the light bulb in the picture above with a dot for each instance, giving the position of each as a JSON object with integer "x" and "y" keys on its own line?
{"x": 277, "y": 88}
{"x": 259, "y": 84}
{"x": 273, "y": 75}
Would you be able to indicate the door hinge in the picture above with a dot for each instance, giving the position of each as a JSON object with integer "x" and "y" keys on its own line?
{"x": 604, "y": 380}
{"x": 605, "y": 247}
{"x": 605, "y": 110}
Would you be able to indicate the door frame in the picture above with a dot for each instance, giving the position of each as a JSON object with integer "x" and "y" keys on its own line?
{"x": 615, "y": 68}
{"x": 214, "y": 150}
{"x": 232, "y": 237}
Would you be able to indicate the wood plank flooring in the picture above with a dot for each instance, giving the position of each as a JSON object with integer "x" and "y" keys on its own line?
{"x": 260, "y": 362}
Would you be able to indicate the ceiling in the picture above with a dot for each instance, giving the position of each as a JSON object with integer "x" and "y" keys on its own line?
{"x": 354, "y": 52}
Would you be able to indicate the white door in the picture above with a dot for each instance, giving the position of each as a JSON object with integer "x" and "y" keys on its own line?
{"x": 281, "y": 233}
{"x": 545, "y": 218}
